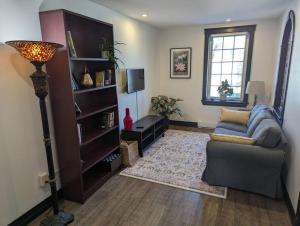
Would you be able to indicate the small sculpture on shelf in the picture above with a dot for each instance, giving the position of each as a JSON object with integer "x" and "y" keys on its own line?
{"x": 87, "y": 80}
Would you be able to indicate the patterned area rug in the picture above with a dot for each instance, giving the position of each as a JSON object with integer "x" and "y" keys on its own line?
{"x": 176, "y": 160}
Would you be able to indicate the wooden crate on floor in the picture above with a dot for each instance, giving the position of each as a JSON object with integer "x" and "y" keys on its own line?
{"x": 130, "y": 153}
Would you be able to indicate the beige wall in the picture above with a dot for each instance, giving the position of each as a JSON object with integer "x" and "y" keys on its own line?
{"x": 21, "y": 146}
{"x": 291, "y": 119}
{"x": 263, "y": 65}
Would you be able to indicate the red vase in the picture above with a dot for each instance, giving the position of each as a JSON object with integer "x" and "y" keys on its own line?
{"x": 127, "y": 120}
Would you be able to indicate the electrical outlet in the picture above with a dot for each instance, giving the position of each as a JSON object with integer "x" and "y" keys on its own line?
{"x": 199, "y": 123}
{"x": 43, "y": 179}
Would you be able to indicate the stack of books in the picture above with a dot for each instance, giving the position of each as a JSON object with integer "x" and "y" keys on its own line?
{"x": 107, "y": 120}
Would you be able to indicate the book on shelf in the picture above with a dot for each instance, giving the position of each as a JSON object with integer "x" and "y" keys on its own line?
{"x": 77, "y": 109}
{"x": 74, "y": 83}
{"x": 107, "y": 120}
{"x": 79, "y": 130}
{"x": 71, "y": 44}
{"x": 100, "y": 77}
{"x": 111, "y": 119}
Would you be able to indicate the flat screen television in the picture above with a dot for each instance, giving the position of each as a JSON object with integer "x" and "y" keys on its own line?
{"x": 135, "y": 80}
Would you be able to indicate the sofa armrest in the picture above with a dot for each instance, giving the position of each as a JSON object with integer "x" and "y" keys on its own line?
{"x": 245, "y": 154}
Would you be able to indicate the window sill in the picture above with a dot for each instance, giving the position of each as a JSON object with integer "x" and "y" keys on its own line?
{"x": 228, "y": 103}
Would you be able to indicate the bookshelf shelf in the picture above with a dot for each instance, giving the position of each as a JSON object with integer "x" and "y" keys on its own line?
{"x": 93, "y": 89}
{"x": 94, "y": 111}
{"x": 95, "y": 157}
{"x": 96, "y": 135}
{"x": 81, "y": 142}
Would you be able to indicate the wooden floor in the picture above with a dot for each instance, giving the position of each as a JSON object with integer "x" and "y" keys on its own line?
{"x": 124, "y": 201}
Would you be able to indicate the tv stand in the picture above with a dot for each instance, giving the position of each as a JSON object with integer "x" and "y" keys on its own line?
{"x": 145, "y": 131}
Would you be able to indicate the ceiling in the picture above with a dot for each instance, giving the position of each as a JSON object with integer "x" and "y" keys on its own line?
{"x": 164, "y": 13}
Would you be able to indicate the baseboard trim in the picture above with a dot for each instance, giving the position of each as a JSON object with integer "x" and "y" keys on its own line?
{"x": 36, "y": 211}
{"x": 288, "y": 203}
{"x": 183, "y": 123}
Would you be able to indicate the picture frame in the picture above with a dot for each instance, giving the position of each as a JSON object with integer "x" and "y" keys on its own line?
{"x": 180, "y": 63}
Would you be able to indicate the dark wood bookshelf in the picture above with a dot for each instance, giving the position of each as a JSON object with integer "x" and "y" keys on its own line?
{"x": 82, "y": 168}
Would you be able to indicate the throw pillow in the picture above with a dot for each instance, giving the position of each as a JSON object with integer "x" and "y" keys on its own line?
{"x": 232, "y": 139}
{"x": 240, "y": 117}
{"x": 268, "y": 133}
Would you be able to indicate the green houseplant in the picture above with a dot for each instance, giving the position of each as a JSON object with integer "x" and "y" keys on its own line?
{"x": 108, "y": 51}
{"x": 225, "y": 90}
{"x": 165, "y": 106}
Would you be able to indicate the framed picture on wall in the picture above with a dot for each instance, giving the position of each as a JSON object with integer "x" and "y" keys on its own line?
{"x": 180, "y": 63}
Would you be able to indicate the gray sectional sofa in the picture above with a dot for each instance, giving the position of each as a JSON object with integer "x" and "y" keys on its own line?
{"x": 254, "y": 168}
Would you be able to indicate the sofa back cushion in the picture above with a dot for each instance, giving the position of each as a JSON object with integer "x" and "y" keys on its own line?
{"x": 261, "y": 115}
{"x": 267, "y": 133}
{"x": 256, "y": 110}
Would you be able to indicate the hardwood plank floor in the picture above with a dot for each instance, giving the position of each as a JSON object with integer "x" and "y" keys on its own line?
{"x": 125, "y": 201}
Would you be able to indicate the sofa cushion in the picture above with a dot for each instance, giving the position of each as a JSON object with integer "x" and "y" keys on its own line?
{"x": 232, "y": 126}
{"x": 255, "y": 110}
{"x": 239, "y": 117}
{"x": 263, "y": 114}
{"x": 232, "y": 139}
{"x": 230, "y": 132}
{"x": 267, "y": 133}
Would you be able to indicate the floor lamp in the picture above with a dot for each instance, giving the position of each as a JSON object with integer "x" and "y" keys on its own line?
{"x": 256, "y": 88}
{"x": 38, "y": 53}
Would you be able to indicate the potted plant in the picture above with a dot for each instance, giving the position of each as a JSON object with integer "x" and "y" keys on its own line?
{"x": 166, "y": 106}
{"x": 225, "y": 90}
{"x": 108, "y": 50}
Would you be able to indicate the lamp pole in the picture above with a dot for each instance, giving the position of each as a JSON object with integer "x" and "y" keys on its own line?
{"x": 40, "y": 83}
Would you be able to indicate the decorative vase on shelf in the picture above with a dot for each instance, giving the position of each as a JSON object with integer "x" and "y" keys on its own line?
{"x": 127, "y": 120}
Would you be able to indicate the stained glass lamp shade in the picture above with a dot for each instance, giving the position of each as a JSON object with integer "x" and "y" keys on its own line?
{"x": 35, "y": 51}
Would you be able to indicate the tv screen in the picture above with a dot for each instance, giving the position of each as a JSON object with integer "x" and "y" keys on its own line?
{"x": 135, "y": 80}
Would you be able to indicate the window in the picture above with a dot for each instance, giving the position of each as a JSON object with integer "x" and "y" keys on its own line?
{"x": 228, "y": 53}
{"x": 284, "y": 67}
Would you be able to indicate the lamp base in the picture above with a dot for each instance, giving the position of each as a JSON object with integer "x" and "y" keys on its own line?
{"x": 61, "y": 219}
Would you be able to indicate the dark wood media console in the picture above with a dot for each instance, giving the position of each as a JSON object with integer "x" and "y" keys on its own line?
{"x": 146, "y": 131}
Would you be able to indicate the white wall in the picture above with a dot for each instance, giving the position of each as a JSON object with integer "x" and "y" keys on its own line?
{"x": 263, "y": 65}
{"x": 21, "y": 145}
{"x": 22, "y": 151}
{"x": 291, "y": 119}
